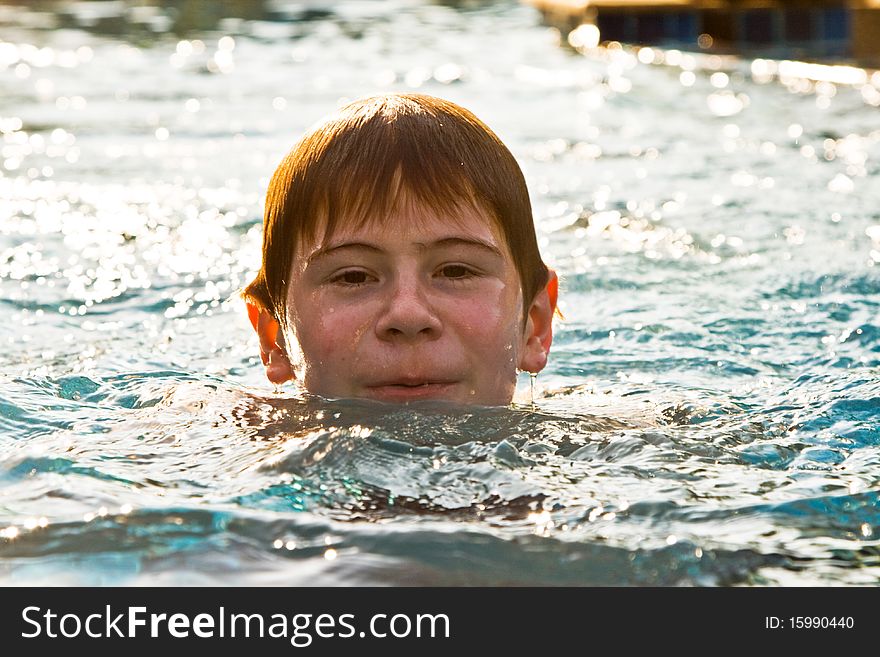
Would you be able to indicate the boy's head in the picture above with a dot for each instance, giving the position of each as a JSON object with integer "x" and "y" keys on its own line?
{"x": 400, "y": 260}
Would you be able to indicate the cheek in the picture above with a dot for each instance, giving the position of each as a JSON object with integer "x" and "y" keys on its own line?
{"x": 331, "y": 334}
{"x": 489, "y": 325}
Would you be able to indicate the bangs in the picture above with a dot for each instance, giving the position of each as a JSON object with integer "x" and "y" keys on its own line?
{"x": 358, "y": 208}
{"x": 377, "y": 167}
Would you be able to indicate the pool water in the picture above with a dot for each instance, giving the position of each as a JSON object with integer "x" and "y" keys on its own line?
{"x": 711, "y": 412}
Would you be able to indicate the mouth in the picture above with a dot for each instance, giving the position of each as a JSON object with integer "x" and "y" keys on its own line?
{"x": 410, "y": 390}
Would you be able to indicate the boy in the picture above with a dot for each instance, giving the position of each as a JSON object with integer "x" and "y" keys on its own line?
{"x": 400, "y": 261}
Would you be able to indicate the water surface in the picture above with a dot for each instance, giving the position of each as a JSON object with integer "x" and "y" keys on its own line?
{"x": 710, "y": 412}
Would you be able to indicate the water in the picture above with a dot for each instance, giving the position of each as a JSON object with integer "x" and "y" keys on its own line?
{"x": 710, "y": 413}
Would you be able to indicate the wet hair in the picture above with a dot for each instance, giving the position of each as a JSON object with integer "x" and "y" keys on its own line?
{"x": 372, "y": 155}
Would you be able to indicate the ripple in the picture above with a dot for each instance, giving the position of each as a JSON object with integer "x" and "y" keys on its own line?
{"x": 709, "y": 413}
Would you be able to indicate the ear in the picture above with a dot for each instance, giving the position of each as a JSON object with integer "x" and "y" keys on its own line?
{"x": 538, "y": 334}
{"x": 273, "y": 352}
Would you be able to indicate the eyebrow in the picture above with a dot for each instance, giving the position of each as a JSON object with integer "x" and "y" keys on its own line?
{"x": 325, "y": 251}
{"x": 472, "y": 242}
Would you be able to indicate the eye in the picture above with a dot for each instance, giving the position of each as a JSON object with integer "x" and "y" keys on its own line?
{"x": 456, "y": 272}
{"x": 351, "y": 278}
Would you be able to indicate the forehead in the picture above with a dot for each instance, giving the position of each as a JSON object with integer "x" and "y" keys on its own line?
{"x": 412, "y": 221}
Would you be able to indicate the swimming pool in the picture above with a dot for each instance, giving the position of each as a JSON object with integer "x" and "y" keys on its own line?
{"x": 710, "y": 412}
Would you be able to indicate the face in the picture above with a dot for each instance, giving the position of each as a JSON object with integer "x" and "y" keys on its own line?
{"x": 417, "y": 308}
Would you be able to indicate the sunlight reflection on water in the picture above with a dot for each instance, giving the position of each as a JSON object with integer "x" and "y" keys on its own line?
{"x": 710, "y": 412}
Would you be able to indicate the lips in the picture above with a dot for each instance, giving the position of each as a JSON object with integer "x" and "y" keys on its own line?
{"x": 410, "y": 389}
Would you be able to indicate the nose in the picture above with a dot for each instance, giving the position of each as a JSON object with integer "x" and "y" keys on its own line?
{"x": 408, "y": 315}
